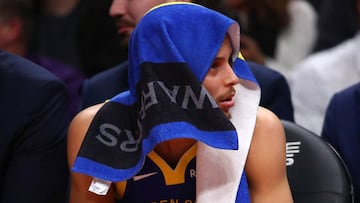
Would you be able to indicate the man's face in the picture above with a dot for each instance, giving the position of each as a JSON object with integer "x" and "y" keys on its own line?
{"x": 221, "y": 79}
{"x": 3, "y": 28}
{"x": 8, "y": 32}
{"x": 127, "y": 13}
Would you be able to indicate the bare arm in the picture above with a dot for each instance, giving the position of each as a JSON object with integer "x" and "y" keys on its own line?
{"x": 266, "y": 163}
{"x": 79, "y": 182}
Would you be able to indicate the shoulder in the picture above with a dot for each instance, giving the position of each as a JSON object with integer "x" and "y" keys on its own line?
{"x": 269, "y": 80}
{"x": 79, "y": 126}
{"x": 268, "y": 140}
{"x": 265, "y": 74}
{"x": 351, "y": 91}
{"x": 105, "y": 85}
{"x": 21, "y": 69}
{"x": 110, "y": 74}
{"x": 19, "y": 75}
{"x": 345, "y": 102}
{"x": 84, "y": 117}
{"x": 268, "y": 127}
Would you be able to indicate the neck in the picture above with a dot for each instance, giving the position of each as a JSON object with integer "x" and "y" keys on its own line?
{"x": 171, "y": 151}
{"x": 59, "y": 7}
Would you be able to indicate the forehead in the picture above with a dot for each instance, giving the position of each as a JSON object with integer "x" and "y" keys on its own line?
{"x": 226, "y": 48}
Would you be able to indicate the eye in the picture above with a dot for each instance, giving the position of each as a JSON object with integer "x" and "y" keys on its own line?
{"x": 217, "y": 63}
{"x": 222, "y": 61}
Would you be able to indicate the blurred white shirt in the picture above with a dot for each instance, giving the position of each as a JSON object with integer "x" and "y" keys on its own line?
{"x": 297, "y": 41}
{"x": 317, "y": 78}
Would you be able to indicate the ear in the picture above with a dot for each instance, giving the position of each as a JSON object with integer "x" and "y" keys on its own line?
{"x": 11, "y": 30}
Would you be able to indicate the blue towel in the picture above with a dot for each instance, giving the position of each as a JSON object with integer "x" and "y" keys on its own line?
{"x": 170, "y": 52}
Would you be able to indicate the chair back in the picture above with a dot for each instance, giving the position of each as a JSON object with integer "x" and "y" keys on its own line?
{"x": 316, "y": 172}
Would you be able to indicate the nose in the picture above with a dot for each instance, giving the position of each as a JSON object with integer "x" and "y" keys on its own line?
{"x": 231, "y": 78}
{"x": 117, "y": 8}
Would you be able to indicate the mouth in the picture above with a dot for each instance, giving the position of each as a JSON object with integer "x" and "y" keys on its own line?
{"x": 124, "y": 30}
{"x": 228, "y": 102}
{"x": 124, "y": 27}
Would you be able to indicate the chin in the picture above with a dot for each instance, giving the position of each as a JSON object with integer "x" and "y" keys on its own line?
{"x": 227, "y": 114}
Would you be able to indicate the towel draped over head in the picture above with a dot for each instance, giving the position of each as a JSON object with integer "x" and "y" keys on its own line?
{"x": 170, "y": 53}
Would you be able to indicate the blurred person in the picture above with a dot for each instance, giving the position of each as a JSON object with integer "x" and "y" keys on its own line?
{"x": 161, "y": 123}
{"x": 276, "y": 33}
{"x": 78, "y": 33}
{"x": 275, "y": 95}
{"x": 317, "y": 78}
{"x": 16, "y": 26}
{"x": 341, "y": 130}
{"x": 55, "y": 29}
{"x": 337, "y": 22}
{"x": 98, "y": 43}
{"x": 33, "y": 165}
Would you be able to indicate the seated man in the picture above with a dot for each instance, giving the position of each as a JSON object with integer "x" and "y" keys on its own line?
{"x": 341, "y": 129}
{"x": 33, "y": 127}
{"x": 186, "y": 117}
